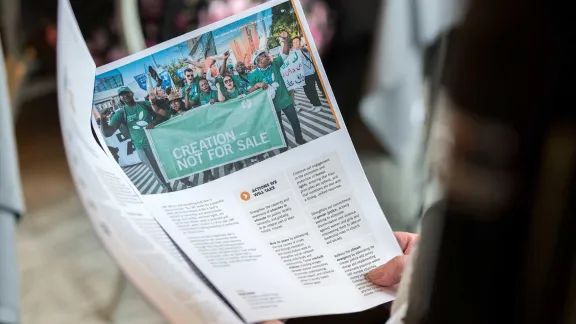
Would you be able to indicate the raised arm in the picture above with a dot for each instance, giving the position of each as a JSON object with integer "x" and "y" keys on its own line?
{"x": 107, "y": 129}
{"x": 221, "y": 97}
{"x": 225, "y": 63}
{"x": 187, "y": 103}
{"x": 284, "y": 42}
{"x": 194, "y": 63}
{"x": 155, "y": 107}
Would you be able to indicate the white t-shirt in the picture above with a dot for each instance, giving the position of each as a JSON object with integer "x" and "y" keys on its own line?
{"x": 307, "y": 63}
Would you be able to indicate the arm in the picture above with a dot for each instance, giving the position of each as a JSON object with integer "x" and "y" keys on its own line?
{"x": 193, "y": 63}
{"x": 187, "y": 103}
{"x": 259, "y": 85}
{"x": 155, "y": 107}
{"x": 223, "y": 67}
{"x": 149, "y": 87}
{"x": 284, "y": 41}
{"x": 109, "y": 129}
{"x": 221, "y": 97}
{"x": 209, "y": 76}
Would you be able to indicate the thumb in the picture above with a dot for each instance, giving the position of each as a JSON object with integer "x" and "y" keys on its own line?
{"x": 390, "y": 273}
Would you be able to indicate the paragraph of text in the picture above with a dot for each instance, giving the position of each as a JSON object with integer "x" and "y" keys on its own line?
{"x": 356, "y": 262}
{"x": 223, "y": 250}
{"x": 337, "y": 220}
{"x": 307, "y": 264}
{"x": 196, "y": 217}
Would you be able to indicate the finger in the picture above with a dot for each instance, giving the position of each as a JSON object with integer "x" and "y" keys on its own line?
{"x": 406, "y": 240}
{"x": 390, "y": 273}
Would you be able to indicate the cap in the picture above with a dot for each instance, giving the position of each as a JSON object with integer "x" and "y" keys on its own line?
{"x": 230, "y": 66}
{"x": 124, "y": 89}
{"x": 255, "y": 56}
{"x": 174, "y": 95}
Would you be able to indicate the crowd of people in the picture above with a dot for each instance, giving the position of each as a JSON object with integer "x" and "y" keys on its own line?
{"x": 201, "y": 87}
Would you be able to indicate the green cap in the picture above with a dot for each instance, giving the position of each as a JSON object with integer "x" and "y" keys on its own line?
{"x": 124, "y": 89}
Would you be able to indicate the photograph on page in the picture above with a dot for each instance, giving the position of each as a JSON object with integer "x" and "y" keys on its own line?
{"x": 214, "y": 104}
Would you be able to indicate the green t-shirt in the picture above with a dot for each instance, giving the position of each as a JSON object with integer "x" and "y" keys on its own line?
{"x": 241, "y": 82}
{"x": 136, "y": 119}
{"x": 195, "y": 89}
{"x": 271, "y": 75}
{"x": 234, "y": 94}
{"x": 204, "y": 98}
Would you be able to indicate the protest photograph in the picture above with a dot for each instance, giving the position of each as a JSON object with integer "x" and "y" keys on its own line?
{"x": 214, "y": 104}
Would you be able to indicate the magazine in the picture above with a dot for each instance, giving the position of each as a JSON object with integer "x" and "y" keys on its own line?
{"x": 218, "y": 172}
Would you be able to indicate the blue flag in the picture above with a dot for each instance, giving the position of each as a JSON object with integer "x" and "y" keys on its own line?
{"x": 141, "y": 79}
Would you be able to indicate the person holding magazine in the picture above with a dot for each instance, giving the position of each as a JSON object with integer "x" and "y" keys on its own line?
{"x": 267, "y": 76}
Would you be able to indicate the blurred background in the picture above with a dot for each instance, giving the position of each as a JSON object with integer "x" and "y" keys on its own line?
{"x": 382, "y": 60}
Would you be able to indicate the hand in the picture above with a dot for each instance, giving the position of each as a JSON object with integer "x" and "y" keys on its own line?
{"x": 284, "y": 35}
{"x": 149, "y": 126}
{"x": 240, "y": 96}
{"x": 390, "y": 273}
{"x": 152, "y": 98}
{"x": 212, "y": 101}
{"x": 262, "y": 85}
{"x": 226, "y": 55}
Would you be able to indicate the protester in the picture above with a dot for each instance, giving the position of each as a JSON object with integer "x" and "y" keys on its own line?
{"x": 230, "y": 91}
{"x": 266, "y": 76}
{"x": 206, "y": 95}
{"x": 157, "y": 91}
{"x": 191, "y": 88}
{"x": 240, "y": 76}
{"x": 137, "y": 116}
{"x": 310, "y": 75}
{"x": 177, "y": 106}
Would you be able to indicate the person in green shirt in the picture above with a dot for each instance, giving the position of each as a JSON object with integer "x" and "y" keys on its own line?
{"x": 267, "y": 74}
{"x": 191, "y": 89}
{"x": 137, "y": 116}
{"x": 206, "y": 95}
{"x": 230, "y": 91}
{"x": 240, "y": 77}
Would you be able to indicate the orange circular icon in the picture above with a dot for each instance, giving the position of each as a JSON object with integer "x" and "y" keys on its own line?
{"x": 245, "y": 196}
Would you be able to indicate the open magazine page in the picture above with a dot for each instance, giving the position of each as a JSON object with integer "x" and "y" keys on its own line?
{"x": 233, "y": 138}
{"x": 132, "y": 236}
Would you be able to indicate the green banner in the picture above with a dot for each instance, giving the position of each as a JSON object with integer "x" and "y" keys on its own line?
{"x": 213, "y": 135}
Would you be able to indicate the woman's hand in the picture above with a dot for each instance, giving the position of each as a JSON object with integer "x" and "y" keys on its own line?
{"x": 390, "y": 273}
